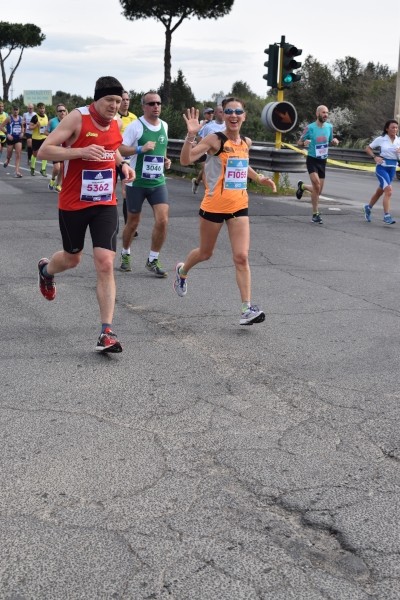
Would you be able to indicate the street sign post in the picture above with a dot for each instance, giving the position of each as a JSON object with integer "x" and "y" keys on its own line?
{"x": 35, "y": 96}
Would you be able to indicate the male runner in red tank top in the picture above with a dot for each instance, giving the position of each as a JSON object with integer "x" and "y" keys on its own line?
{"x": 87, "y": 140}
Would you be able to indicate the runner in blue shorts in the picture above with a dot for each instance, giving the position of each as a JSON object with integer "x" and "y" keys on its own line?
{"x": 386, "y": 163}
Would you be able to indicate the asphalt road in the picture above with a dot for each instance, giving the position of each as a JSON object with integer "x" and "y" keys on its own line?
{"x": 208, "y": 461}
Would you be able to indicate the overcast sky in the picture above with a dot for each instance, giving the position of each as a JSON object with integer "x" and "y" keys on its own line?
{"x": 86, "y": 39}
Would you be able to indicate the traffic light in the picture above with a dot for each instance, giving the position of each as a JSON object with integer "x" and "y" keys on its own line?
{"x": 289, "y": 64}
{"x": 279, "y": 116}
{"x": 272, "y": 75}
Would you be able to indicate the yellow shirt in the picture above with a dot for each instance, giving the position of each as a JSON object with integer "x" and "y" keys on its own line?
{"x": 126, "y": 120}
{"x": 3, "y": 117}
{"x": 39, "y": 132}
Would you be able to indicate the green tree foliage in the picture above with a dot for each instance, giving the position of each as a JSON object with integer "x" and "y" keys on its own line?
{"x": 71, "y": 101}
{"x": 15, "y": 36}
{"x": 241, "y": 90}
{"x": 368, "y": 91}
{"x": 181, "y": 94}
{"x": 172, "y": 13}
{"x": 374, "y": 106}
{"x": 181, "y": 98}
{"x": 317, "y": 86}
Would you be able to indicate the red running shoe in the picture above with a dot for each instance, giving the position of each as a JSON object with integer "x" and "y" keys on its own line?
{"x": 47, "y": 286}
{"x": 108, "y": 342}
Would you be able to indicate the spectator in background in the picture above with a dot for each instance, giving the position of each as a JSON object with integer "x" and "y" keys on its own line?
{"x": 209, "y": 126}
{"x": 208, "y": 115}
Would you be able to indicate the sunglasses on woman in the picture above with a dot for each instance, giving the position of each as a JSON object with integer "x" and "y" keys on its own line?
{"x": 230, "y": 111}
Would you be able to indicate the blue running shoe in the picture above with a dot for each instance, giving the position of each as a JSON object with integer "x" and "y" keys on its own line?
{"x": 388, "y": 219}
{"x": 367, "y": 212}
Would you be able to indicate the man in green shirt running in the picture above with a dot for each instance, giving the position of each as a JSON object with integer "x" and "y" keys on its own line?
{"x": 145, "y": 142}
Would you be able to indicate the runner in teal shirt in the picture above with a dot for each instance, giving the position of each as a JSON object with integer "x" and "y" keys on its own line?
{"x": 316, "y": 137}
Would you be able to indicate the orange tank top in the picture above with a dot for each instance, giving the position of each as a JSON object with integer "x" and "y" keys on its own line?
{"x": 88, "y": 183}
{"x": 225, "y": 176}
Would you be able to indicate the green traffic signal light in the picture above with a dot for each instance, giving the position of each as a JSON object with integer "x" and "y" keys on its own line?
{"x": 289, "y": 64}
{"x": 290, "y": 78}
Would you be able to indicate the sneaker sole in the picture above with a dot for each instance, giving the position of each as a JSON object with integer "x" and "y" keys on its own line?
{"x": 259, "y": 319}
{"x": 157, "y": 274}
{"x": 160, "y": 275}
{"x": 116, "y": 348}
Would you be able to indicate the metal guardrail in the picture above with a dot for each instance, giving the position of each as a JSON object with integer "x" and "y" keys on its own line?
{"x": 349, "y": 155}
{"x": 264, "y": 156}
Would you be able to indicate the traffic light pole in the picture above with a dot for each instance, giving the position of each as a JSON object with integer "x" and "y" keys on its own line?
{"x": 280, "y": 97}
{"x": 280, "y": 116}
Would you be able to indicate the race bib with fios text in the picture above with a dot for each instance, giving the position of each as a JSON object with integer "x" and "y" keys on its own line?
{"x": 236, "y": 174}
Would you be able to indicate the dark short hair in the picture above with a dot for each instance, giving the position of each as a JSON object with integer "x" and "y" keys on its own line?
{"x": 152, "y": 92}
{"x": 40, "y": 105}
{"x": 226, "y": 101}
{"x": 386, "y": 126}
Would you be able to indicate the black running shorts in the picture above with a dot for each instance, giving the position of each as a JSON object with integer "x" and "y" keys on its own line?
{"x": 316, "y": 165}
{"x": 102, "y": 222}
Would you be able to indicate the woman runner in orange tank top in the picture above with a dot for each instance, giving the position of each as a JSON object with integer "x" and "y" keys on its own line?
{"x": 225, "y": 200}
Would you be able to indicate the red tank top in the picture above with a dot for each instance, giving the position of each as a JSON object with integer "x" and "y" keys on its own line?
{"x": 90, "y": 183}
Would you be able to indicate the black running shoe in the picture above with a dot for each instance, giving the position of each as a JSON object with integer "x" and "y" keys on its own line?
{"x": 299, "y": 191}
{"x": 316, "y": 218}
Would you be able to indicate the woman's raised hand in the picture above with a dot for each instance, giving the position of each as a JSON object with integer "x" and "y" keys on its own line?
{"x": 192, "y": 120}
